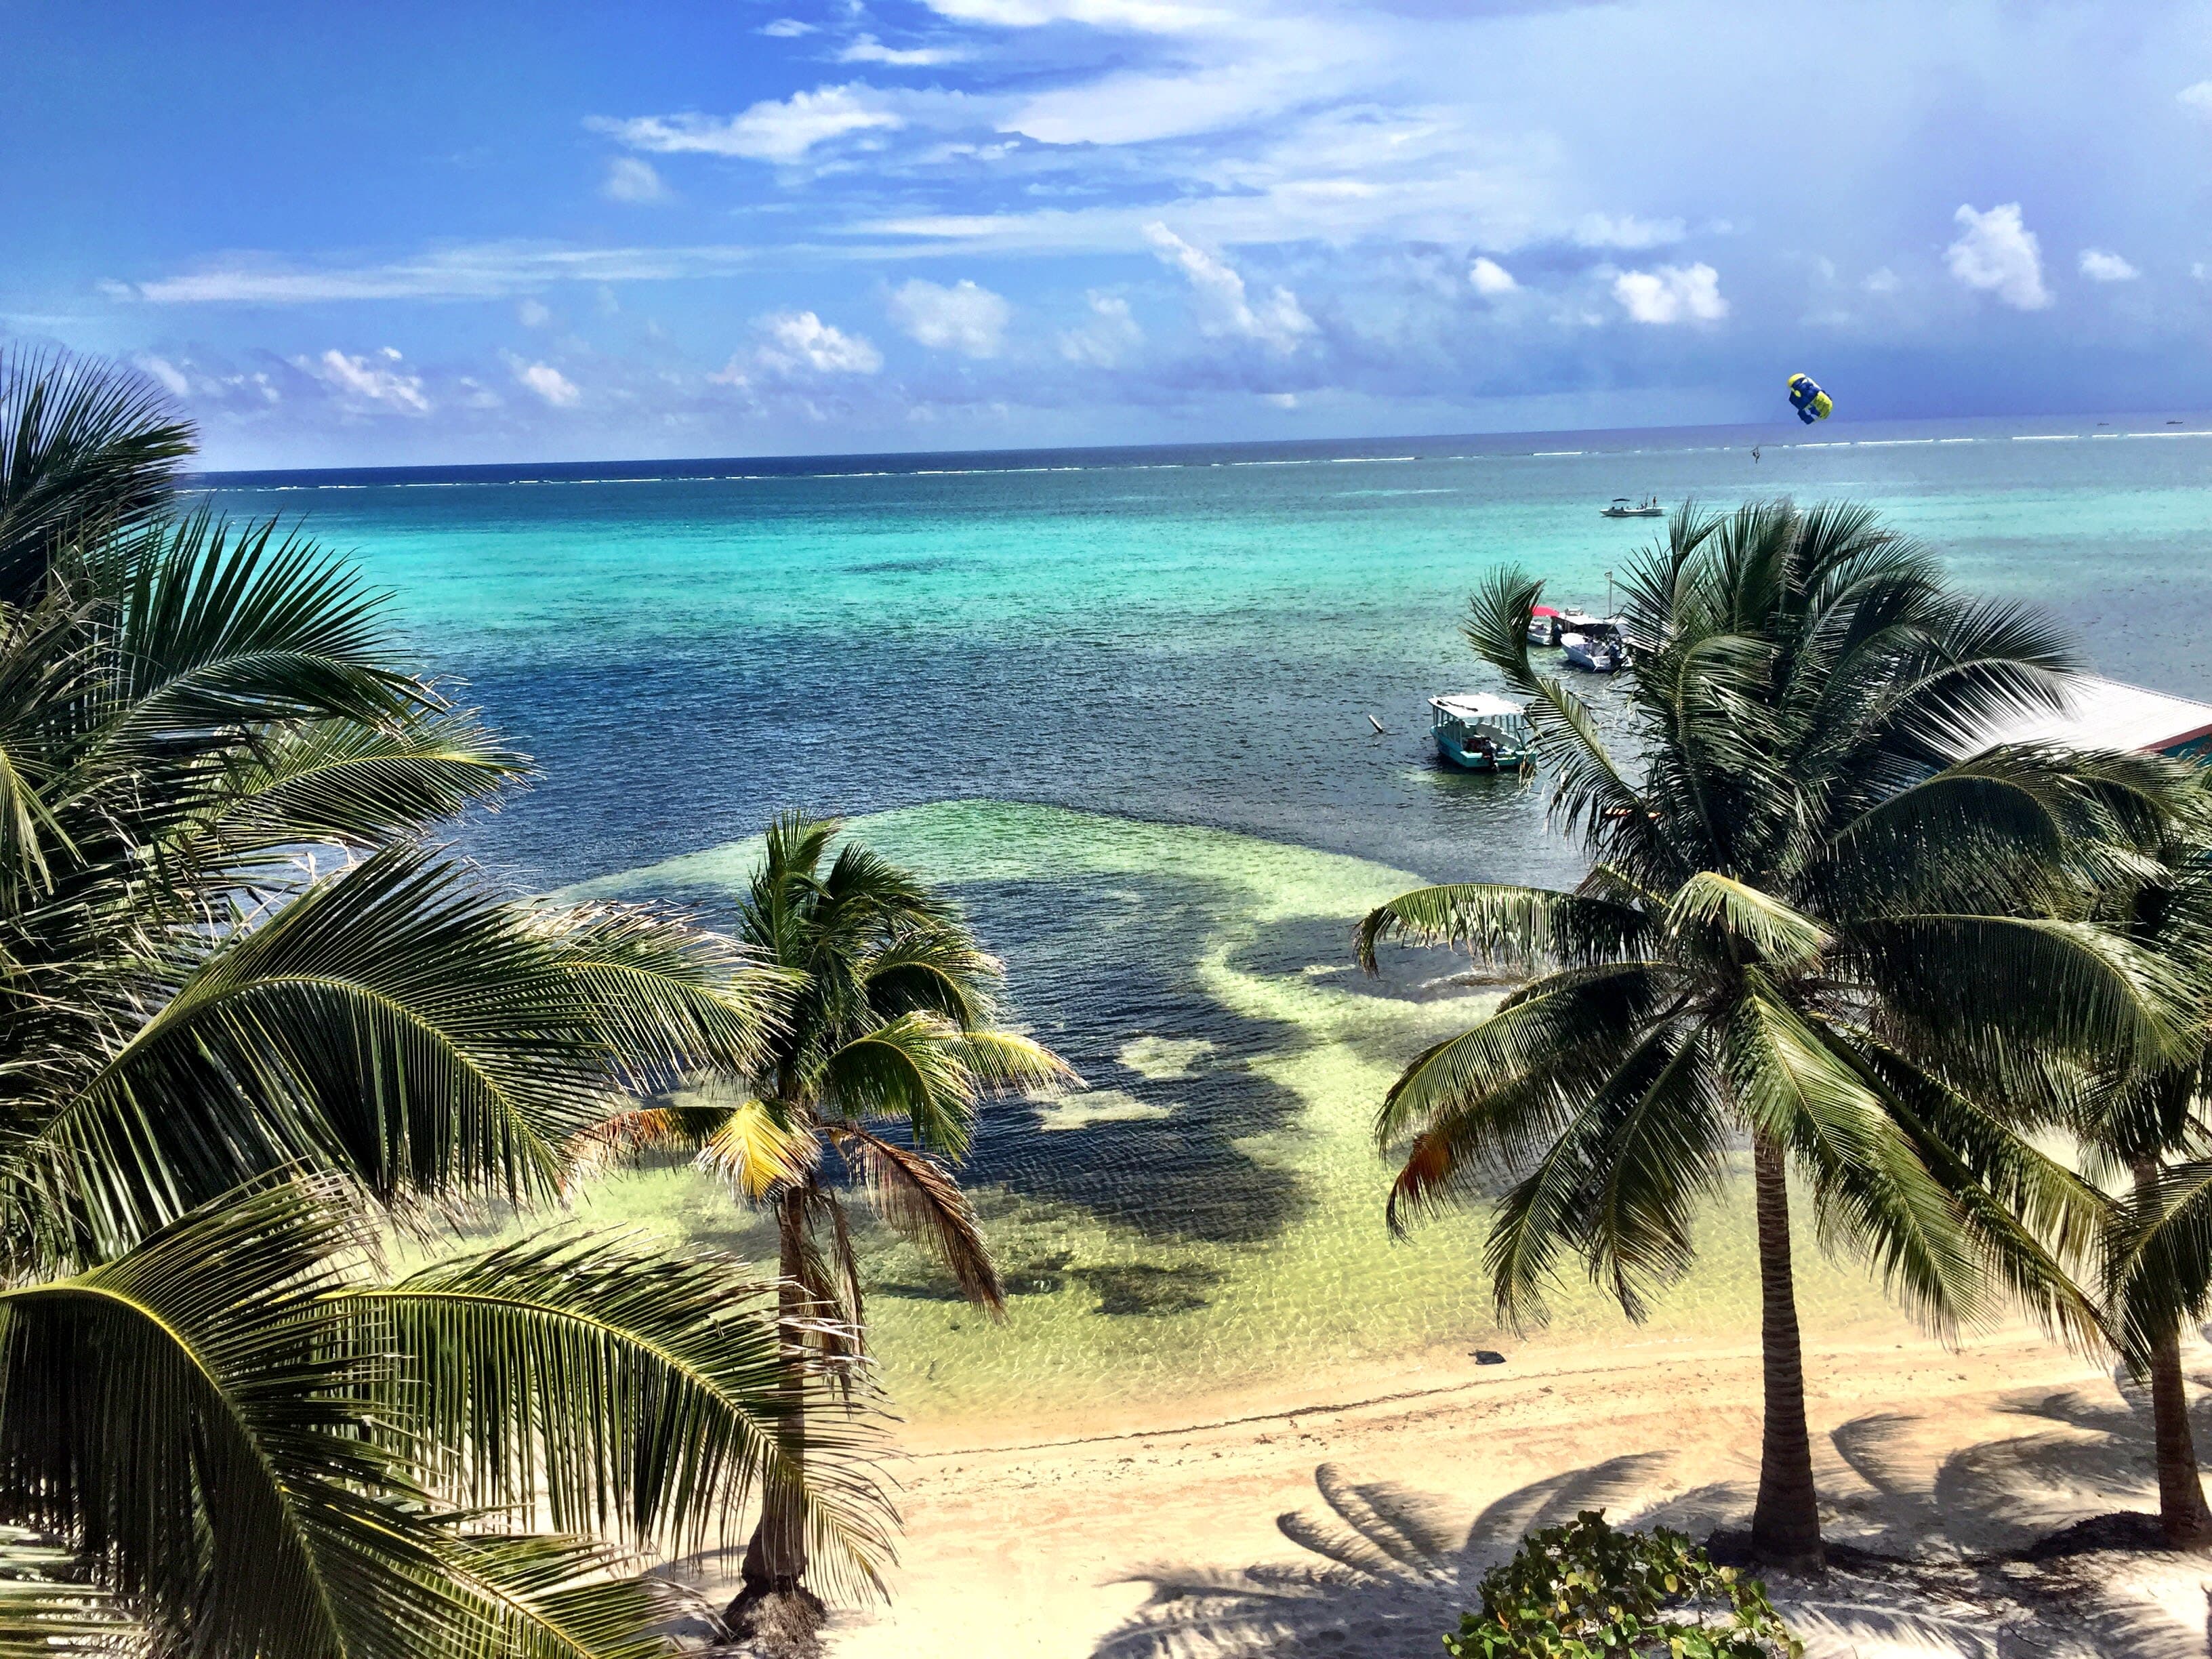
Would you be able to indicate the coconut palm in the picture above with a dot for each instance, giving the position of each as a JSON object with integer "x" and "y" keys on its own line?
{"x": 250, "y": 1015}
{"x": 1821, "y": 914}
{"x": 2150, "y": 1127}
{"x": 889, "y": 1021}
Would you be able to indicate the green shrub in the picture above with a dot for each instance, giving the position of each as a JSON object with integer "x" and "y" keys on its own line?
{"x": 1587, "y": 1591}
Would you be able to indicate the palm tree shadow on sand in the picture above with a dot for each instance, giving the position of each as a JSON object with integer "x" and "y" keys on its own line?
{"x": 1391, "y": 1568}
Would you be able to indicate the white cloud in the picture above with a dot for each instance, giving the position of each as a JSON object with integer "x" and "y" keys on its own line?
{"x": 487, "y": 271}
{"x": 2099, "y": 266}
{"x": 171, "y": 377}
{"x": 1107, "y": 336}
{"x": 1490, "y": 278}
{"x": 786, "y": 28}
{"x": 1277, "y": 321}
{"x": 1145, "y": 17}
{"x": 533, "y": 314}
{"x": 632, "y": 179}
{"x": 799, "y": 341}
{"x": 866, "y": 49}
{"x": 767, "y": 131}
{"x": 1998, "y": 254}
{"x": 1882, "y": 279}
{"x": 1672, "y": 294}
{"x": 964, "y": 318}
{"x": 2196, "y": 99}
{"x": 548, "y": 383}
{"x": 364, "y": 386}
{"x": 1625, "y": 231}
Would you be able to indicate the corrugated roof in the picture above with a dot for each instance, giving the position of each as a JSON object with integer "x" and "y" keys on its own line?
{"x": 2101, "y": 714}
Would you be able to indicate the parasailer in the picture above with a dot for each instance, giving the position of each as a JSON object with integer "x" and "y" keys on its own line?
{"x": 1808, "y": 400}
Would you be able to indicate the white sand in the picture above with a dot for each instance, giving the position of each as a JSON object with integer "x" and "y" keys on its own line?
{"x": 1358, "y": 1525}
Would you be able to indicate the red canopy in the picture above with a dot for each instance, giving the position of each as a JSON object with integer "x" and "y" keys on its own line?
{"x": 1544, "y": 611}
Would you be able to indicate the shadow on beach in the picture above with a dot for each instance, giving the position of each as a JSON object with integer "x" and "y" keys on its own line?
{"x": 2006, "y": 1549}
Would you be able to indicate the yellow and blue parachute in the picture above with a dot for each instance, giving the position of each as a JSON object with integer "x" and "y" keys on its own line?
{"x": 1808, "y": 400}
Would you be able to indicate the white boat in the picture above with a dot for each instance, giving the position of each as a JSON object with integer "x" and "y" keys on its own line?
{"x": 1478, "y": 733}
{"x": 1546, "y": 625}
{"x": 1595, "y": 654}
{"x": 1622, "y": 508}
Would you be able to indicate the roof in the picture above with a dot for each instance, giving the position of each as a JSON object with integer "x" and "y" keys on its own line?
{"x": 1478, "y": 706}
{"x": 2101, "y": 714}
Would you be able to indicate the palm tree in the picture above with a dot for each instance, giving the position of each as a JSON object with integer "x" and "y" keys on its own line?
{"x": 889, "y": 1019}
{"x": 249, "y": 1016}
{"x": 1820, "y": 915}
{"x": 2148, "y": 1126}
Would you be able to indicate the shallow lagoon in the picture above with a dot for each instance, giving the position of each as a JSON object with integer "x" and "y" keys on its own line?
{"x": 1208, "y": 1212}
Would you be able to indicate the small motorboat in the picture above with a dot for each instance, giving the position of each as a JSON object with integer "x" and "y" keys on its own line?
{"x": 1478, "y": 733}
{"x": 1546, "y": 625}
{"x": 1622, "y": 508}
{"x": 1594, "y": 653}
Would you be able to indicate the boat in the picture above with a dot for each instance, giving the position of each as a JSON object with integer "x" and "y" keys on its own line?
{"x": 1546, "y": 625}
{"x": 1594, "y": 653}
{"x": 1478, "y": 733}
{"x": 1622, "y": 508}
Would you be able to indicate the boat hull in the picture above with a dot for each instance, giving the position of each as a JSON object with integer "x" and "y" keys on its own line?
{"x": 1452, "y": 753}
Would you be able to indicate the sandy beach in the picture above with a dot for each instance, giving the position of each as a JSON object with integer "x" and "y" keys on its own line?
{"x": 1358, "y": 1522}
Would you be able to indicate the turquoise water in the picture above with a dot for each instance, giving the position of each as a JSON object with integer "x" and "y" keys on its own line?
{"x": 1120, "y": 701}
{"x": 1199, "y": 637}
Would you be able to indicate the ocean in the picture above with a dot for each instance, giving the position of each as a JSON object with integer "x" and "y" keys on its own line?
{"x": 1124, "y": 701}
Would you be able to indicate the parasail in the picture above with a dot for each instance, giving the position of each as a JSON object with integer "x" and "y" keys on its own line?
{"x": 1808, "y": 400}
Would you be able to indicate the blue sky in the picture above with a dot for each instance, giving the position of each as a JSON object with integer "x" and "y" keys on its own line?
{"x": 415, "y": 233}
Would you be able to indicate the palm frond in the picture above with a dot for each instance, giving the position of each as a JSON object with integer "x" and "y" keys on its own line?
{"x": 756, "y": 1153}
{"x": 636, "y": 1393}
{"x": 917, "y": 1196}
{"x": 1507, "y": 924}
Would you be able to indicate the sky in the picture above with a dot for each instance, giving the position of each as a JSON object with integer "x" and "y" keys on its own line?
{"x": 420, "y": 233}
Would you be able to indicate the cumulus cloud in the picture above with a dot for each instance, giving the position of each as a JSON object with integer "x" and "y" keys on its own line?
{"x": 2099, "y": 266}
{"x": 630, "y": 179}
{"x": 1998, "y": 254}
{"x": 786, "y": 28}
{"x": 799, "y": 342}
{"x": 533, "y": 314}
{"x": 1106, "y": 336}
{"x": 1625, "y": 231}
{"x": 2197, "y": 99}
{"x": 770, "y": 130}
{"x": 1881, "y": 280}
{"x": 1490, "y": 278}
{"x": 369, "y": 385}
{"x": 558, "y": 390}
{"x": 1672, "y": 294}
{"x": 167, "y": 374}
{"x": 964, "y": 318}
{"x": 866, "y": 49}
{"x": 1277, "y": 321}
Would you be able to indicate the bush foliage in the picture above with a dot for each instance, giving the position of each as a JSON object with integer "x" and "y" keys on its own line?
{"x": 1587, "y": 1590}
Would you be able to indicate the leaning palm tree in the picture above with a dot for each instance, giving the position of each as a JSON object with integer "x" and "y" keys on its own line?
{"x": 889, "y": 1021}
{"x": 1821, "y": 914}
{"x": 251, "y": 1015}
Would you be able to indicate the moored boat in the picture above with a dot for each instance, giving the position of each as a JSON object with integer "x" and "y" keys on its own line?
{"x": 1596, "y": 652}
{"x": 1546, "y": 625}
{"x": 1622, "y": 508}
{"x": 1478, "y": 733}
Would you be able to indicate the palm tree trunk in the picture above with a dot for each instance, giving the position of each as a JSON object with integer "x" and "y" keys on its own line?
{"x": 1785, "y": 1524}
{"x": 2183, "y": 1514}
{"x": 776, "y": 1606}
